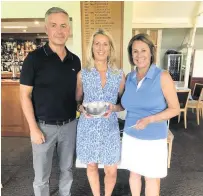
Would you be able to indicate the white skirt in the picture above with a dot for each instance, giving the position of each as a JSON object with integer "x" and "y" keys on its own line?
{"x": 145, "y": 157}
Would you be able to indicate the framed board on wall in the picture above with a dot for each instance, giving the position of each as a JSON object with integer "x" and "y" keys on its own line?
{"x": 102, "y": 14}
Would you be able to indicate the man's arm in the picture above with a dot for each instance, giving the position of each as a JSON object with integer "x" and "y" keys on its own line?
{"x": 26, "y": 103}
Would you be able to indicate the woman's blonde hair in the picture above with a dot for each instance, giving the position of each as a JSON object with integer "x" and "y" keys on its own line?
{"x": 111, "y": 59}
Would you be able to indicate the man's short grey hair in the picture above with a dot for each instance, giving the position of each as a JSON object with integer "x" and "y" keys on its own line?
{"x": 55, "y": 10}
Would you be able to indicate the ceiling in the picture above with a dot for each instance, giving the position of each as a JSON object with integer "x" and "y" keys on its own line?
{"x": 178, "y": 13}
{"x": 32, "y": 26}
{"x": 165, "y": 9}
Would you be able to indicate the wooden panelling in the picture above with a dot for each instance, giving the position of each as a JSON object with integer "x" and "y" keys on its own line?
{"x": 107, "y": 15}
{"x": 13, "y": 122}
{"x": 155, "y": 36}
{"x": 153, "y": 33}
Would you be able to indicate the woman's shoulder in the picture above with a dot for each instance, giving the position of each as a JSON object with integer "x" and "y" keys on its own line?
{"x": 164, "y": 73}
{"x": 86, "y": 70}
{"x": 165, "y": 76}
{"x": 156, "y": 67}
{"x": 158, "y": 71}
{"x": 130, "y": 75}
{"x": 115, "y": 71}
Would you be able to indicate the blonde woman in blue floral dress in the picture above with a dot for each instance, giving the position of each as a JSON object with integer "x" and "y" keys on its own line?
{"x": 98, "y": 139}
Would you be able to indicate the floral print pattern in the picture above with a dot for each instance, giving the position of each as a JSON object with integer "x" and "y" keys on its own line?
{"x": 98, "y": 139}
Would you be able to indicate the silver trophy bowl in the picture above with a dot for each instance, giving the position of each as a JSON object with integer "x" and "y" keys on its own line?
{"x": 96, "y": 108}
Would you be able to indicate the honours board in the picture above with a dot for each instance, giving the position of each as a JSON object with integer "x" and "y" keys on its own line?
{"x": 102, "y": 14}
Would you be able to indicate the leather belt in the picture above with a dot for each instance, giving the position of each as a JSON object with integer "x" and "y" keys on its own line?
{"x": 56, "y": 122}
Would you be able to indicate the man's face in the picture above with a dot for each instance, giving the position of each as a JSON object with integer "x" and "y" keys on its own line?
{"x": 57, "y": 28}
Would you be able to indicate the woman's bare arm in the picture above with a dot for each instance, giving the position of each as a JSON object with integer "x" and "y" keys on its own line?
{"x": 79, "y": 91}
{"x": 118, "y": 107}
{"x": 170, "y": 95}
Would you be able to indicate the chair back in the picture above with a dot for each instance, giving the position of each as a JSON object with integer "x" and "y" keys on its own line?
{"x": 183, "y": 96}
{"x": 197, "y": 91}
{"x": 201, "y": 96}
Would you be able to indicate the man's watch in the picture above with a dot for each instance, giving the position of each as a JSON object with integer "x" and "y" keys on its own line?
{"x": 78, "y": 107}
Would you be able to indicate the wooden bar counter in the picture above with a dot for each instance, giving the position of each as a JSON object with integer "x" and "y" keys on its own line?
{"x": 13, "y": 122}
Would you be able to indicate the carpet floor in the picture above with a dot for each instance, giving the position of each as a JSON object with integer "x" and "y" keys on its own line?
{"x": 185, "y": 177}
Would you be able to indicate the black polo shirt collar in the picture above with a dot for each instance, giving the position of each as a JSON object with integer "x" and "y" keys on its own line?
{"x": 48, "y": 51}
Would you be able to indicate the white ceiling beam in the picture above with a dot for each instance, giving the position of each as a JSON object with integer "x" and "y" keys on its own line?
{"x": 200, "y": 8}
{"x": 195, "y": 21}
{"x": 198, "y": 19}
{"x": 197, "y": 16}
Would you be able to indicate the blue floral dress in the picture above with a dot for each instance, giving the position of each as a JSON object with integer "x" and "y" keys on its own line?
{"x": 98, "y": 139}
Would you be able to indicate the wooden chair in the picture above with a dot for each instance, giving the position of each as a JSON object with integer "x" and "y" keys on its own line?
{"x": 183, "y": 96}
{"x": 170, "y": 144}
{"x": 197, "y": 104}
{"x": 201, "y": 110}
{"x": 196, "y": 91}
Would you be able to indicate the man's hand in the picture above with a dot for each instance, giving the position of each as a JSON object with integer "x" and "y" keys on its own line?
{"x": 37, "y": 136}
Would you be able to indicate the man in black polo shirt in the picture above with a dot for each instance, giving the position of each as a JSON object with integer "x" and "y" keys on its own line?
{"x": 47, "y": 90}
